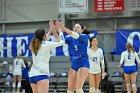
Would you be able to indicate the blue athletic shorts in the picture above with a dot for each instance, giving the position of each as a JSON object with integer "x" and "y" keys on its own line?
{"x": 77, "y": 63}
{"x": 130, "y": 69}
{"x": 35, "y": 79}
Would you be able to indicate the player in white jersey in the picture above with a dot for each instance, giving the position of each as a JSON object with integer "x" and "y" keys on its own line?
{"x": 18, "y": 65}
{"x": 96, "y": 59}
{"x": 128, "y": 58}
{"x": 39, "y": 73}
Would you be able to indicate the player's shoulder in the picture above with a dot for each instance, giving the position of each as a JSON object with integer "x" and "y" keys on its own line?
{"x": 135, "y": 53}
{"x": 83, "y": 35}
{"x": 45, "y": 43}
{"x": 100, "y": 50}
{"x": 89, "y": 50}
{"x": 21, "y": 59}
{"x": 124, "y": 52}
{"x": 68, "y": 36}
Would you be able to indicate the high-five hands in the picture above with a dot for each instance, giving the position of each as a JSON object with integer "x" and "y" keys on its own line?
{"x": 52, "y": 25}
{"x": 58, "y": 25}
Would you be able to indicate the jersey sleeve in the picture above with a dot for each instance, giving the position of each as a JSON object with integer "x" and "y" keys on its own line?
{"x": 102, "y": 59}
{"x": 137, "y": 58}
{"x": 53, "y": 45}
{"x": 89, "y": 54}
{"x": 74, "y": 35}
{"x": 122, "y": 59}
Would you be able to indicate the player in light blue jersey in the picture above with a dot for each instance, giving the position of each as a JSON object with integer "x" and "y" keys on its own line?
{"x": 77, "y": 44}
{"x": 39, "y": 73}
{"x": 128, "y": 58}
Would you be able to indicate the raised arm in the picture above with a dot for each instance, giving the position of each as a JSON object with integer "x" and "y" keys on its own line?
{"x": 69, "y": 32}
{"x": 56, "y": 36}
{"x": 23, "y": 64}
{"x": 61, "y": 37}
{"x": 52, "y": 30}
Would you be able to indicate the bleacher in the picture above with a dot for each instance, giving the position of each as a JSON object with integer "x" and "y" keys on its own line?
{"x": 59, "y": 67}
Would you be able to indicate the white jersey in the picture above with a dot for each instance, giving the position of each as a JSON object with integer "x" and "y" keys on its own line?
{"x": 95, "y": 59}
{"x": 129, "y": 58}
{"x": 18, "y": 64}
{"x": 41, "y": 60}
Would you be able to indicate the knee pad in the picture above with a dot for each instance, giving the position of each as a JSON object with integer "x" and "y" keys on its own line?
{"x": 128, "y": 87}
{"x": 69, "y": 91}
{"x": 14, "y": 85}
{"x": 128, "y": 84}
{"x": 19, "y": 84}
{"x": 134, "y": 87}
{"x": 79, "y": 91}
{"x": 92, "y": 90}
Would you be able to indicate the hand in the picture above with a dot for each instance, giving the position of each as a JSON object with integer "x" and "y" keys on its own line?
{"x": 52, "y": 26}
{"x": 103, "y": 75}
{"x": 58, "y": 25}
{"x": 119, "y": 66}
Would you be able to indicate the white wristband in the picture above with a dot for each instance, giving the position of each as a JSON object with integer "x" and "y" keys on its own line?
{"x": 74, "y": 35}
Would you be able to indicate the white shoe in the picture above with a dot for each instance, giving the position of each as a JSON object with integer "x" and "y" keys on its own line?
{"x": 18, "y": 91}
{"x": 23, "y": 91}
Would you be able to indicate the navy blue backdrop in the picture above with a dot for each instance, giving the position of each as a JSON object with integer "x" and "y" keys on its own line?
{"x": 124, "y": 36}
{"x": 12, "y": 45}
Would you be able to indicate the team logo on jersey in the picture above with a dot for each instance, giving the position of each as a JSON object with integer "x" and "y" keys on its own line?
{"x": 75, "y": 47}
{"x": 94, "y": 59}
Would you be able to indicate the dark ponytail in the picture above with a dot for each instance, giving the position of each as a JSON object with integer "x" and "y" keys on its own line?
{"x": 85, "y": 31}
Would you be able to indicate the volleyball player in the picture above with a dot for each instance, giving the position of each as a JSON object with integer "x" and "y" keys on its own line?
{"x": 128, "y": 58}
{"x": 96, "y": 59}
{"x": 77, "y": 45}
{"x": 39, "y": 73}
{"x": 18, "y": 64}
